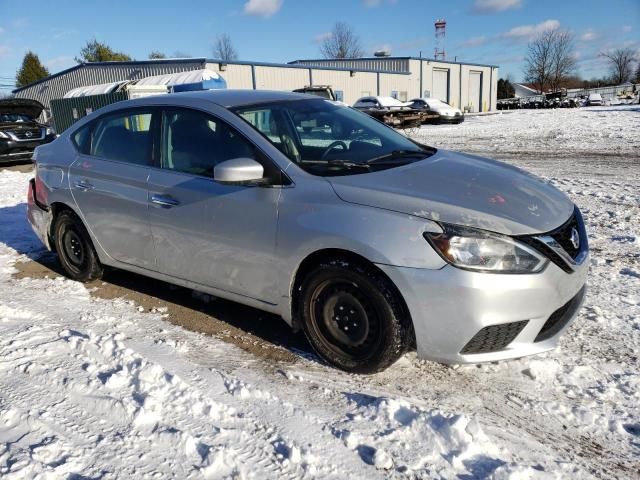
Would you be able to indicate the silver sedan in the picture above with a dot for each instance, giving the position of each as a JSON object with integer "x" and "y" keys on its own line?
{"x": 369, "y": 242}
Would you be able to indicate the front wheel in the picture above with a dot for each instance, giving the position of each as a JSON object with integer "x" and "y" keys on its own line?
{"x": 353, "y": 317}
{"x": 75, "y": 249}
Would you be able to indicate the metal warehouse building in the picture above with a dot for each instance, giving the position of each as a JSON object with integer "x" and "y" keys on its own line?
{"x": 463, "y": 85}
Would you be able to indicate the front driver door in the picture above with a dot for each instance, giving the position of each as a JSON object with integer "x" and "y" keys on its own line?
{"x": 108, "y": 181}
{"x": 222, "y": 236}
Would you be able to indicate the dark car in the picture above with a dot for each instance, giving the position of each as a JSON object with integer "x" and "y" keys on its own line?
{"x": 20, "y": 133}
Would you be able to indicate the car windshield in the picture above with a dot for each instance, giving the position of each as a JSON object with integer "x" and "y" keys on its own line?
{"x": 13, "y": 117}
{"x": 325, "y": 138}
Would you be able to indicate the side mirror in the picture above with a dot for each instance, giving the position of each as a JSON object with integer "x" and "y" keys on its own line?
{"x": 238, "y": 171}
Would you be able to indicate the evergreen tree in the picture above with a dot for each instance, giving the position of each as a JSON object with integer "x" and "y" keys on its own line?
{"x": 95, "y": 51}
{"x": 31, "y": 70}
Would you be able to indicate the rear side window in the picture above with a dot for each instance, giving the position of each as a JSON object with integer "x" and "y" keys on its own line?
{"x": 125, "y": 137}
{"x": 82, "y": 139}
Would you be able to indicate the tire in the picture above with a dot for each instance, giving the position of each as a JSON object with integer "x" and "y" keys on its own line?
{"x": 75, "y": 249}
{"x": 380, "y": 327}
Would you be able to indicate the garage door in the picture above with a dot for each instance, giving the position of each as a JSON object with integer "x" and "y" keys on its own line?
{"x": 475, "y": 91}
{"x": 440, "y": 88}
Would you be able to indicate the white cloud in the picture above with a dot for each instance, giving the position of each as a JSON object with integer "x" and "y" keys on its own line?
{"x": 625, "y": 28}
{"x": 528, "y": 31}
{"x": 492, "y": 6}
{"x": 589, "y": 36}
{"x": 59, "y": 63}
{"x": 262, "y": 8}
{"x": 376, "y": 3}
{"x": 474, "y": 42}
{"x": 321, "y": 37}
{"x": 4, "y": 51}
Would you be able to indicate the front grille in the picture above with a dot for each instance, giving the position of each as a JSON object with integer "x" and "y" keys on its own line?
{"x": 494, "y": 338}
{"x": 27, "y": 133}
{"x": 562, "y": 236}
{"x": 560, "y": 317}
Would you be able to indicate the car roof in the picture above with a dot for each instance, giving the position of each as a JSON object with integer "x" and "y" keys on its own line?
{"x": 224, "y": 97}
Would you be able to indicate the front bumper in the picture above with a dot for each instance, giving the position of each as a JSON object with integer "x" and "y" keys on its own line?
{"x": 445, "y": 119}
{"x": 14, "y": 150}
{"x": 450, "y": 307}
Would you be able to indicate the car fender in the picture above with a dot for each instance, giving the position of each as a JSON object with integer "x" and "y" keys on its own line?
{"x": 316, "y": 219}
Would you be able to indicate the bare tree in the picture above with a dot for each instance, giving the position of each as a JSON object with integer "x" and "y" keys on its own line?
{"x": 621, "y": 64}
{"x": 538, "y": 62}
{"x": 224, "y": 49}
{"x": 157, "y": 55}
{"x": 341, "y": 43}
{"x": 550, "y": 60}
{"x": 563, "y": 60}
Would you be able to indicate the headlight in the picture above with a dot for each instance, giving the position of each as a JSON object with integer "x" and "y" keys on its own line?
{"x": 479, "y": 250}
{"x": 49, "y": 131}
{"x": 3, "y": 135}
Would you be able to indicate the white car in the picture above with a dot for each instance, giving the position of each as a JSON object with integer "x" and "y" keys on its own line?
{"x": 448, "y": 114}
{"x": 595, "y": 99}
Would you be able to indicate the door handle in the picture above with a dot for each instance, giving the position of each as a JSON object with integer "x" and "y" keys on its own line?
{"x": 83, "y": 185}
{"x": 164, "y": 201}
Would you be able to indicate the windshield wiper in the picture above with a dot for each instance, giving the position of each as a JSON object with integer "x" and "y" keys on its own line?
{"x": 347, "y": 163}
{"x": 396, "y": 155}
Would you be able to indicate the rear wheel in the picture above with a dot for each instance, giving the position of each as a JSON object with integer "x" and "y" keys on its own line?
{"x": 353, "y": 317}
{"x": 75, "y": 249}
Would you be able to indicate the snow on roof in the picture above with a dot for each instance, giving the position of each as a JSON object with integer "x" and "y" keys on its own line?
{"x": 94, "y": 89}
{"x": 180, "y": 78}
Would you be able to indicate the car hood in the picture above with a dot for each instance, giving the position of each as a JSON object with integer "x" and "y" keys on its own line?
{"x": 463, "y": 190}
{"x": 21, "y": 106}
{"x": 443, "y": 110}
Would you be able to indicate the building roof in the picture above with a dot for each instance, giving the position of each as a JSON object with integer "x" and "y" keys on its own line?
{"x": 203, "y": 60}
{"x": 293, "y": 64}
{"x": 132, "y": 63}
{"x": 302, "y": 62}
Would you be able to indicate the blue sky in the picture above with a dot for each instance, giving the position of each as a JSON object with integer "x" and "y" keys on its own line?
{"x": 481, "y": 31}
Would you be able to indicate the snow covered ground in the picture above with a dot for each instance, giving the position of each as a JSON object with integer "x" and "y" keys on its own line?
{"x": 95, "y": 388}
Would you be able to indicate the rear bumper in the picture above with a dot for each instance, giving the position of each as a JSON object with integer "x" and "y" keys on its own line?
{"x": 39, "y": 216}
{"x": 457, "y": 314}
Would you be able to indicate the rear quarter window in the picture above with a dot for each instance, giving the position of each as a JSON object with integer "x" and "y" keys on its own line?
{"x": 82, "y": 139}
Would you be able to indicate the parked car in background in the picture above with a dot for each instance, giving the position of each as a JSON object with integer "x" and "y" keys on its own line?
{"x": 20, "y": 133}
{"x": 364, "y": 239}
{"x": 446, "y": 113}
{"x": 390, "y": 111}
{"x": 594, "y": 99}
{"x": 324, "y": 91}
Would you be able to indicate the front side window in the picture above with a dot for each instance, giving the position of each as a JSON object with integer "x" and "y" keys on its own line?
{"x": 195, "y": 142}
{"x": 325, "y": 138}
{"x": 124, "y": 136}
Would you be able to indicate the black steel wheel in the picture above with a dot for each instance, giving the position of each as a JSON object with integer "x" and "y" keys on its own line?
{"x": 353, "y": 317}
{"x": 75, "y": 249}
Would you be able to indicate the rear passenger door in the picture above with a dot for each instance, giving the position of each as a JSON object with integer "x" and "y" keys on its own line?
{"x": 108, "y": 181}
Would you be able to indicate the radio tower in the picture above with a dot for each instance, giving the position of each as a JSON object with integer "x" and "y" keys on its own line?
{"x": 439, "y": 52}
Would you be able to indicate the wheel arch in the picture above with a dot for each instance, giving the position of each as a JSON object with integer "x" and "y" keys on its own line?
{"x": 56, "y": 208}
{"x": 312, "y": 260}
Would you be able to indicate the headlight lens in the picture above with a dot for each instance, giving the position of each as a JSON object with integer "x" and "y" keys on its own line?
{"x": 3, "y": 135}
{"x": 478, "y": 250}
{"x": 49, "y": 131}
